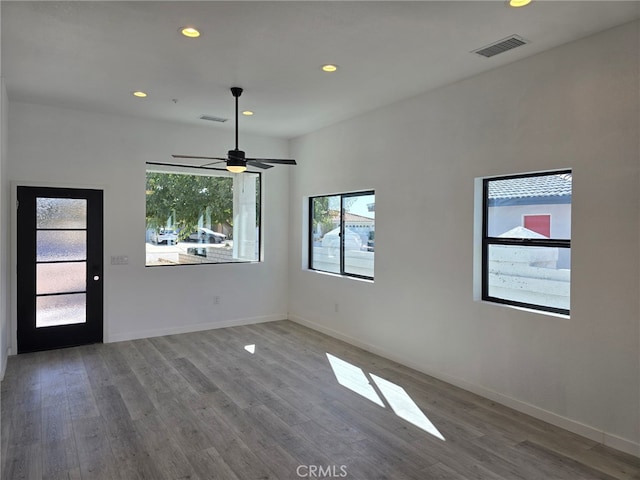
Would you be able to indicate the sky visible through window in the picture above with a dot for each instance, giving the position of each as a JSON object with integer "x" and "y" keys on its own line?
{"x": 360, "y": 207}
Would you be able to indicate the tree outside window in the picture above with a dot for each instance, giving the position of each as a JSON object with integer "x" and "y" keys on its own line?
{"x": 201, "y": 216}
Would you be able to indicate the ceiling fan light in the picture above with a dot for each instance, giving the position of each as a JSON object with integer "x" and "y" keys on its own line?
{"x": 190, "y": 32}
{"x": 519, "y": 3}
{"x": 235, "y": 161}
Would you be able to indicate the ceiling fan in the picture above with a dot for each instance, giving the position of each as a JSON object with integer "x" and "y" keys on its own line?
{"x": 236, "y": 160}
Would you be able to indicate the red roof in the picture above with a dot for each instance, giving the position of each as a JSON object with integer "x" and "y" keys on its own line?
{"x": 350, "y": 217}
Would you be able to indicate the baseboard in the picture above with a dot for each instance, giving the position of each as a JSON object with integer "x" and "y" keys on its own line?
{"x": 5, "y": 359}
{"x": 121, "y": 337}
{"x": 622, "y": 444}
{"x": 613, "y": 441}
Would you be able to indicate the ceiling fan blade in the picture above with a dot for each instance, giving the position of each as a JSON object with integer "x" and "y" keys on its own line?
{"x": 199, "y": 158}
{"x": 255, "y": 163}
{"x": 185, "y": 165}
{"x": 213, "y": 163}
{"x": 281, "y": 161}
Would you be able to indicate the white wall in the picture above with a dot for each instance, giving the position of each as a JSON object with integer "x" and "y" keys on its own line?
{"x": 4, "y": 221}
{"x": 4, "y": 231}
{"x": 61, "y": 147}
{"x": 572, "y": 107}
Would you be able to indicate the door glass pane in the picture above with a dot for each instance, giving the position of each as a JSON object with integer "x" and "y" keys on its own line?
{"x": 61, "y": 310}
{"x": 61, "y": 277}
{"x": 61, "y": 213}
{"x": 534, "y": 275}
{"x": 54, "y": 246}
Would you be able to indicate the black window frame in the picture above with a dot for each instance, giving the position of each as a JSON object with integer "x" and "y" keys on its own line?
{"x": 187, "y": 168}
{"x": 342, "y": 227}
{"x": 519, "y": 242}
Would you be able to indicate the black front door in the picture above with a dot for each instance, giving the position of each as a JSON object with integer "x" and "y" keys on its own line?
{"x": 60, "y": 259}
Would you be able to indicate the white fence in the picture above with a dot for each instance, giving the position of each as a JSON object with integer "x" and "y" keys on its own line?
{"x": 529, "y": 275}
{"x": 355, "y": 262}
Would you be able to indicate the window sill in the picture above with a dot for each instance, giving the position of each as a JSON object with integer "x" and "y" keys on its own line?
{"x": 337, "y": 275}
{"x": 525, "y": 309}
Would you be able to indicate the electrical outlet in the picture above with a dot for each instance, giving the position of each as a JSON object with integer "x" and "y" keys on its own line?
{"x": 216, "y": 300}
{"x": 119, "y": 260}
{"x": 336, "y": 308}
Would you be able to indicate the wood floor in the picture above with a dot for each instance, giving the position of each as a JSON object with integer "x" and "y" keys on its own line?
{"x": 202, "y": 406}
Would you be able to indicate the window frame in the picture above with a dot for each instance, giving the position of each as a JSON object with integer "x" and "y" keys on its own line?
{"x": 159, "y": 167}
{"x": 342, "y": 227}
{"x": 518, "y": 242}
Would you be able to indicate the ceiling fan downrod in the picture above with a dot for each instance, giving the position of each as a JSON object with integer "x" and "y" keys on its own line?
{"x": 236, "y": 92}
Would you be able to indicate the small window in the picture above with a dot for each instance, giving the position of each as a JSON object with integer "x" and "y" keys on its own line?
{"x": 526, "y": 259}
{"x": 201, "y": 215}
{"x": 336, "y": 248}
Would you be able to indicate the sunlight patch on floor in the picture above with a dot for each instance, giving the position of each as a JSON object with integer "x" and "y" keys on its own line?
{"x": 403, "y": 406}
{"x": 355, "y": 379}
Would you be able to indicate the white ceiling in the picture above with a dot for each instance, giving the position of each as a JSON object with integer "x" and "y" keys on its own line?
{"x": 92, "y": 55}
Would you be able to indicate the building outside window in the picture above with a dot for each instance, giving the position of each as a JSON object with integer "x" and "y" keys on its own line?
{"x": 538, "y": 223}
{"x": 201, "y": 215}
{"x": 342, "y": 234}
{"x": 527, "y": 240}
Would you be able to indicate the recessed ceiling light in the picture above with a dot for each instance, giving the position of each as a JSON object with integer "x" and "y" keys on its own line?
{"x": 329, "y": 68}
{"x": 248, "y": 113}
{"x": 190, "y": 32}
{"x": 139, "y": 94}
{"x": 519, "y": 3}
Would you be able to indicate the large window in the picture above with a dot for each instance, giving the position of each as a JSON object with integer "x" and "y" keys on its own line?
{"x": 526, "y": 259}
{"x": 201, "y": 215}
{"x": 342, "y": 234}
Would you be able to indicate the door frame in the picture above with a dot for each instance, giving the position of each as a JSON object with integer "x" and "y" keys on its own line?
{"x": 13, "y": 255}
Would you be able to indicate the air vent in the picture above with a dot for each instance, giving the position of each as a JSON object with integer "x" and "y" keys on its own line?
{"x": 500, "y": 46}
{"x": 213, "y": 119}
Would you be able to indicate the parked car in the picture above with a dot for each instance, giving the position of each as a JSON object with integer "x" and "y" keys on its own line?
{"x": 206, "y": 235}
{"x": 371, "y": 242}
{"x": 352, "y": 241}
{"x": 164, "y": 235}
